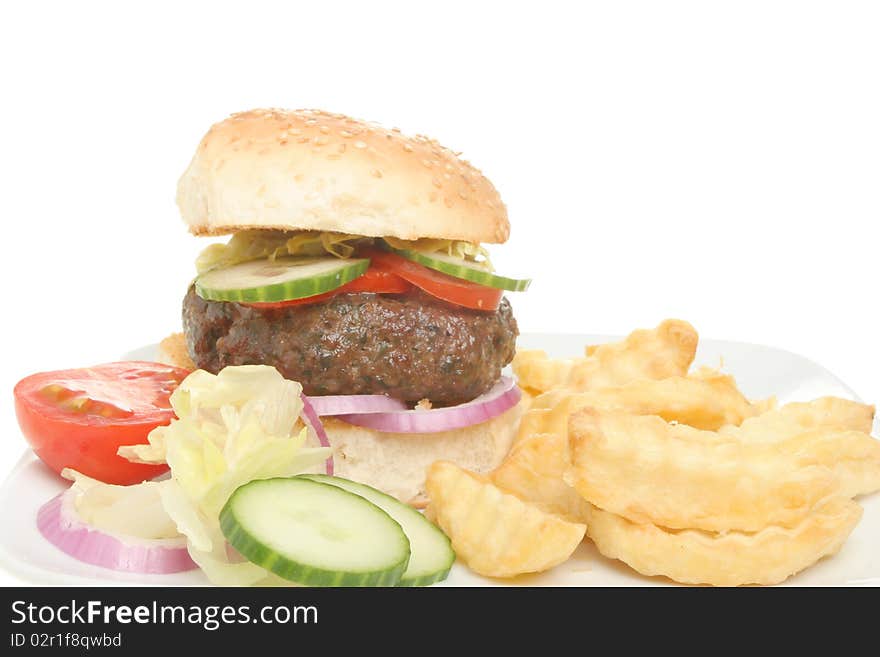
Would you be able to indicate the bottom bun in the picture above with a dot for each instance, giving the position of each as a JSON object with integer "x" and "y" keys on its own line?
{"x": 396, "y": 462}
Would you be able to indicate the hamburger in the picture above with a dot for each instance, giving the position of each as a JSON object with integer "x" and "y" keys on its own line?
{"x": 356, "y": 267}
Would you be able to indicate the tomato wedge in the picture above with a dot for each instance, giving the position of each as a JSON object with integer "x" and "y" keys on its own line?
{"x": 449, "y": 288}
{"x": 79, "y": 418}
{"x": 376, "y": 280}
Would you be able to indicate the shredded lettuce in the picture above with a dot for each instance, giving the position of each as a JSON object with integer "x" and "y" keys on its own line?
{"x": 255, "y": 244}
{"x": 464, "y": 250}
{"x": 239, "y": 425}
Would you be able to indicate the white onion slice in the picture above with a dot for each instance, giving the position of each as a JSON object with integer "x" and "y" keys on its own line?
{"x": 310, "y": 417}
{"x": 59, "y": 523}
{"x": 346, "y": 404}
{"x": 503, "y": 396}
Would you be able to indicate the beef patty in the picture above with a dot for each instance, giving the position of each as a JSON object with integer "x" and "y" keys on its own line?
{"x": 410, "y": 346}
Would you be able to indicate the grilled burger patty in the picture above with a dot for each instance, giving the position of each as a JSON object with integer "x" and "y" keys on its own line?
{"x": 410, "y": 346}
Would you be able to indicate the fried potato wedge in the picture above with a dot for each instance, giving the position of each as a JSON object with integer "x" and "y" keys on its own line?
{"x": 795, "y": 418}
{"x": 536, "y": 372}
{"x": 534, "y": 467}
{"x": 852, "y": 455}
{"x": 533, "y": 472}
{"x": 665, "y": 351}
{"x": 649, "y": 471}
{"x": 709, "y": 400}
{"x": 496, "y": 534}
{"x": 768, "y": 556}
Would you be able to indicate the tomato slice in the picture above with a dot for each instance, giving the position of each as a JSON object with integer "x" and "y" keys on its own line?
{"x": 79, "y": 418}
{"x": 389, "y": 273}
{"x": 377, "y": 280}
{"x": 443, "y": 286}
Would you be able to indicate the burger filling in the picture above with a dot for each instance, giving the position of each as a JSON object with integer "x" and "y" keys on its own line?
{"x": 349, "y": 315}
{"x": 410, "y": 346}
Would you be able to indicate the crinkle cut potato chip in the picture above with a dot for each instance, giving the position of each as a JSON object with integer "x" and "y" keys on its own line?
{"x": 767, "y": 556}
{"x": 659, "y": 353}
{"x": 852, "y": 455}
{"x": 534, "y": 467}
{"x": 496, "y": 534}
{"x": 788, "y": 421}
{"x": 649, "y": 471}
{"x": 704, "y": 400}
{"x": 675, "y": 473}
{"x": 533, "y": 472}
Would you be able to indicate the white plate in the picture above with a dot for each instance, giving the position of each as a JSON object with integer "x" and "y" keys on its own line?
{"x": 760, "y": 372}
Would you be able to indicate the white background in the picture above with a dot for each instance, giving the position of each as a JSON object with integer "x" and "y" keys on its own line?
{"x": 714, "y": 161}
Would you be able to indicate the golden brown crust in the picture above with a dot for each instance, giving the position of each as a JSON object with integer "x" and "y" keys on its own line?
{"x": 312, "y": 170}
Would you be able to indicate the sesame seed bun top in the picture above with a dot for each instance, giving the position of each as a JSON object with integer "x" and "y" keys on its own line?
{"x": 311, "y": 170}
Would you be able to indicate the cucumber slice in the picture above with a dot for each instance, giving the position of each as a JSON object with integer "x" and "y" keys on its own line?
{"x": 279, "y": 280}
{"x": 431, "y": 552}
{"x": 315, "y": 534}
{"x": 466, "y": 269}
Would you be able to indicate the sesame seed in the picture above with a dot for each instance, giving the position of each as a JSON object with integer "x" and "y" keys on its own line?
{"x": 377, "y": 173}
{"x": 448, "y": 202}
{"x": 407, "y": 147}
{"x": 462, "y": 194}
{"x": 320, "y": 140}
{"x": 437, "y": 183}
{"x": 324, "y": 129}
{"x": 426, "y": 163}
{"x": 346, "y": 134}
{"x": 360, "y": 144}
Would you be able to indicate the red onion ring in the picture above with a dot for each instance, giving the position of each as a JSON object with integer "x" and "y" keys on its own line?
{"x": 311, "y": 419}
{"x": 503, "y": 396}
{"x": 346, "y": 404}
{"x": 61, "y": 526}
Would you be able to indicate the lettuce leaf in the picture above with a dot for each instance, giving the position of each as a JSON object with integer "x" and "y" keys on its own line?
{"x": 239, "y": 425}
{"x": 122, "y": 510}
